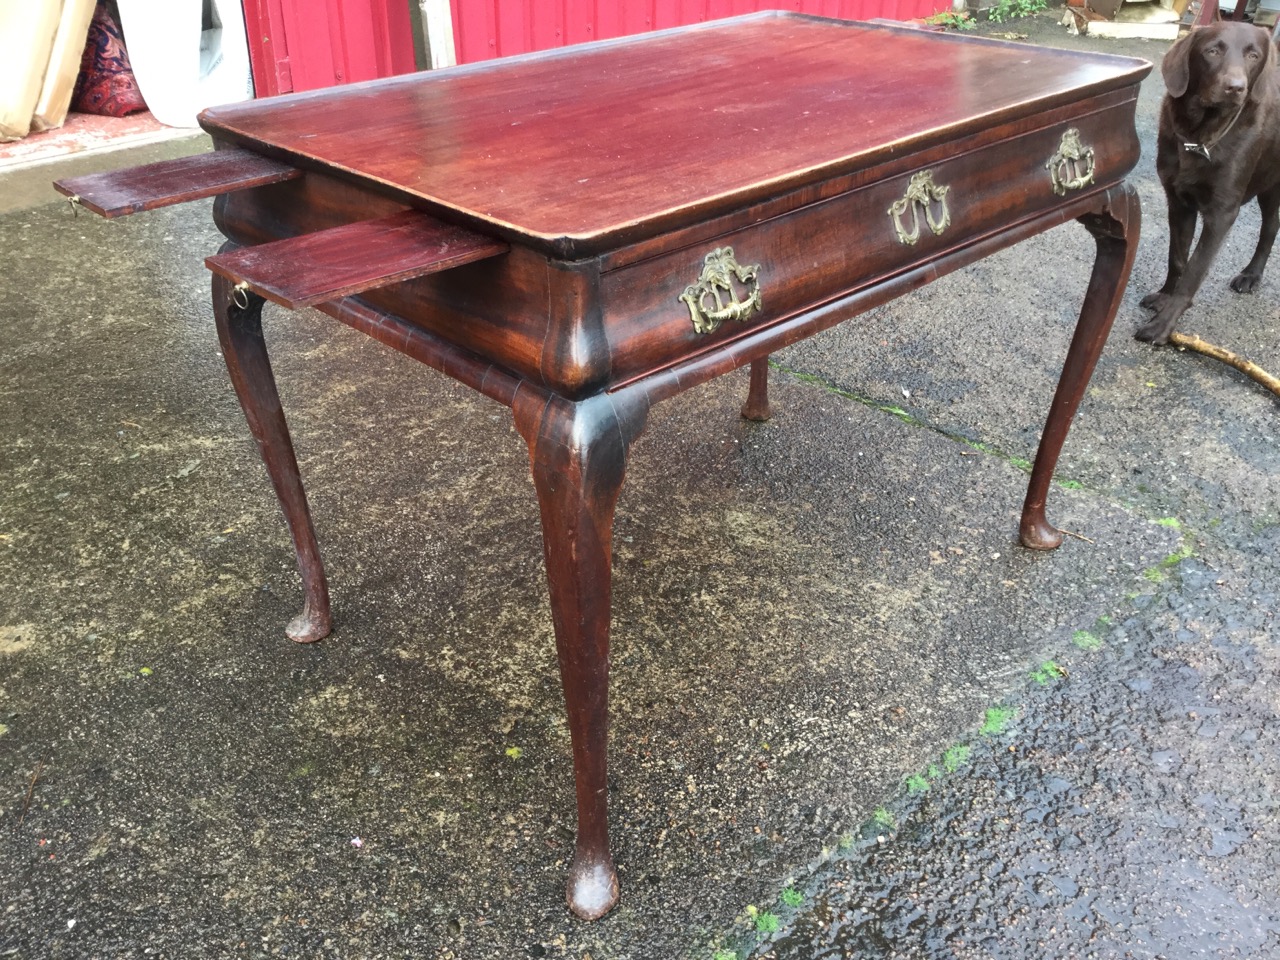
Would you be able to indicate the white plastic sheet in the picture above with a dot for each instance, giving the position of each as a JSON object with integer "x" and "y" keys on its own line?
{"x": 181, "y": 68}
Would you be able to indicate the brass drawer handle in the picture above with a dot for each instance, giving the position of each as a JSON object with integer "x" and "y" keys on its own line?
{"x": 1071, "y": 168}
{"x": 715, "y": 297}
{"x": 922, "y": 194}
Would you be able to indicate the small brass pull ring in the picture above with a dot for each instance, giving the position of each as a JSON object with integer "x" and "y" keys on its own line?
{"x": 1071, "y": 168}
{"x": 725, "y": 291}
{"x": 922, "y": 195}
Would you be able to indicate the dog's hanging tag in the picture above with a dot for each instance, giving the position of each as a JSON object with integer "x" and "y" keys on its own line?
{"x": 1202, "y": 149}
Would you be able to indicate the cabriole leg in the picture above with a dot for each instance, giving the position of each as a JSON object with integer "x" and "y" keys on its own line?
{"x": 578, "y": 455}
{"x": 240, "y": 333}
{"x": 1115, "y": 229}
{"x": 757, "y": 405}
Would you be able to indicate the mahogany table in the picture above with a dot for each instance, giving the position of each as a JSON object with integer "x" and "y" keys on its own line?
{"x": 582, "y": 233}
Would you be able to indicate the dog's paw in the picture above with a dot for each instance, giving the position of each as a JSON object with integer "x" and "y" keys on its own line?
{"x": 1169, "y": 309}
{"x": 1153, "y": 301}
{"x": 1246, "y": 282}
{"x": 1156, "y": 331}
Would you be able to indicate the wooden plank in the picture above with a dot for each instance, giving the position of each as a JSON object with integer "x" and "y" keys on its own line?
{"x": 319, "y": 267}
{"x": 120, "y": 192}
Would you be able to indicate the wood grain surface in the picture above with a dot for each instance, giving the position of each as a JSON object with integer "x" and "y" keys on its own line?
{"x": 318, "y": 267}
{"x": 133, "y": 189}
{"x": 576, "y": 150}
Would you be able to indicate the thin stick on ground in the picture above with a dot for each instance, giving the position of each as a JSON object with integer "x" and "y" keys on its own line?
{"x": 26, "y": 804}
{"x": 1247, "y": 367}
{"x": 1078, "y": 536}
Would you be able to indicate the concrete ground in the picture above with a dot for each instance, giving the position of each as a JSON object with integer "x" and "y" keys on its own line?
{"x": 846, "y": 705}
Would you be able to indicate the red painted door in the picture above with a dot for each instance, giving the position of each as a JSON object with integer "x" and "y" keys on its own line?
{"x": 483, "y": 29}
{"x": 306, "y": 44}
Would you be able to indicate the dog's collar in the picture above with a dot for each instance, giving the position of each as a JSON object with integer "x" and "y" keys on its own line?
{"x": 1202, "y": 149}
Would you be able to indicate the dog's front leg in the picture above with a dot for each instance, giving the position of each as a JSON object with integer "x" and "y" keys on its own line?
{"x": 1248, "y": 279}
{"x": 1217, "y": 221}
{"x": 1182, "y": 230}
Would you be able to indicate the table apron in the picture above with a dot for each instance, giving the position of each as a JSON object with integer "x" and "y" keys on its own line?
{"x": 577, "y": 329}
{"x": 761, "y": 341}
{"x": 502, "y": 384}
{"x": 831, "y": 249}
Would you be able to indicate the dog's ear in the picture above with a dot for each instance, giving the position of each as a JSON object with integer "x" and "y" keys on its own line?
{"x": 1260, "y": 81}
{"x": 1268, "y": 51}
{"x": 1176, "y": 65}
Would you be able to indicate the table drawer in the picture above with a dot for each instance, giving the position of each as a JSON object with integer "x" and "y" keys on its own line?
{"x": 667, "y": 308}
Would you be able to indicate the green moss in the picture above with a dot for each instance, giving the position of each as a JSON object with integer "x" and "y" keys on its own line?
{"x": 1086, "y": 641}
{"x": 1047, "y": 672}
{"x": 955, "y": 758}
{"x": 916, "y": 783}
{"x": 792, "y": 897}
{"x": 996, "y": 720}
{"x": 767, "y": 922}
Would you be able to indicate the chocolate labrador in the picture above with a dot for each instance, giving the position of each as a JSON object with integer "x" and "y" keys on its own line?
{"x": 1219, "y": 147}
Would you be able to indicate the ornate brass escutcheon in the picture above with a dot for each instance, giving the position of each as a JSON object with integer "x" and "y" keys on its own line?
{"x": 715, "y": 297}
{"x": 922, "y": 194}
{"x": 1072, "y": 166}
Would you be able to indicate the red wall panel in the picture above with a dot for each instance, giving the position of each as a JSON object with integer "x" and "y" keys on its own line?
{"x": 484, "y": 29}
{"x": 307, "y": 44}
{"x": 268, "y": 55}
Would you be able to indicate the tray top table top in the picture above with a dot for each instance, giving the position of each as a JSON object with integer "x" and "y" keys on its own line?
{"x": 578, "y": 150}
